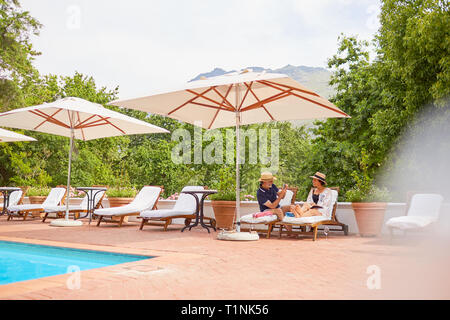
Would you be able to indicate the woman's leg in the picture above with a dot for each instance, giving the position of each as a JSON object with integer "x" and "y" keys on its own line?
{"x": 310, "y": 213}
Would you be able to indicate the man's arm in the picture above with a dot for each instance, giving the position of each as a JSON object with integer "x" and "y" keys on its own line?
{"x": 281, "y": 195}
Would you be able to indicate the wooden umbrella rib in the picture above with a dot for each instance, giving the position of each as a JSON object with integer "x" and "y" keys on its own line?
{"x": 320, "y": 104}
{"x": 85, "y": 125}
{"x": 79, "y": 121}
{"x": 191, "y": 100}
{"x": 48, "y": 118}
{"x": 274, "y": 85}
{"x": 262, "y": 105}
{"x": 86, "y": 120}
{"x": 246, "y": 93}
{"x": 217, "y": 112}
{"x": 206, "y": 105}
{"x": 109, "y": 122}
{"x": 208, "y": 99}
{"x": 225, "y": 100}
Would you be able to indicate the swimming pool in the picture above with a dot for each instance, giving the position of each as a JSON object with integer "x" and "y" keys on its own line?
{"x": 22, "y": 261}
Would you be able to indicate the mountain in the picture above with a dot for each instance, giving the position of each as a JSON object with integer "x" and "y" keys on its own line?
{"x": 314, "y": 78}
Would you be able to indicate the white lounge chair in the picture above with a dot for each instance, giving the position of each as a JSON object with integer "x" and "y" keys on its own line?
{"x": 54, "y": 198}
{"x": 16, "y": 197}
{"x": 146, "y": 199}
{"x": 185, "y": 208}
{"x": 423, "y": 211}
{"x": 289, "y": 199}
{"x": 74, "y": 210}
{"x": 312, "y": 222}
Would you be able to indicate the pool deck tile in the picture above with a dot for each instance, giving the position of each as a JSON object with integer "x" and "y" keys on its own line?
{"x": 195, "y": 265}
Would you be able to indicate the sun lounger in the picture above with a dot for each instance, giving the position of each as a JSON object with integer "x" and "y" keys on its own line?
{"x": 289, "y": 199}
{"x": 146, "y": 199}
{"x": 74, "y": 210}
{"x": 54, "y": 198}
{"x": 423, "y": 211}
{"x": 16, "y": 197}
{"x": 185, "y": 208}
{"x": 312, "y": 222}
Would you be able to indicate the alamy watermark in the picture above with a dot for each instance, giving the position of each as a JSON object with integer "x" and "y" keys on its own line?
{"x": 374, "y": 280}
{"x": 260, "y": 146}
{"x": 73, "y": 21}
{"x": 74, "y": 280}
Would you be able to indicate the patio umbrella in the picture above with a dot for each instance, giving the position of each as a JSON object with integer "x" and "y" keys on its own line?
{"x": 237, "y": 99}
{"x": 77, "y": 119}
{"x": 10, "y": 136}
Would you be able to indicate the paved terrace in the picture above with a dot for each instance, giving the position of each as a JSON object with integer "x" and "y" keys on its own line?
{"x": 194, "y": 265}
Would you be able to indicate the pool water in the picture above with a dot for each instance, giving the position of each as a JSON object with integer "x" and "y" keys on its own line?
{"x": 21, "y": 261}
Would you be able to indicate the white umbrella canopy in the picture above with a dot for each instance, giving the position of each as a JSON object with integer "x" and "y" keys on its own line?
{"x": 88, "y": 120}
{"x": 237, "y": 99}
{"x": 76, "y": 118}
{"x": 257, "y": 97}
{"x": 10, "y": 136}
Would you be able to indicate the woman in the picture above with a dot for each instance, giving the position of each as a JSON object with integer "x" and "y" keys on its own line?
{"x": 319, "y": 200}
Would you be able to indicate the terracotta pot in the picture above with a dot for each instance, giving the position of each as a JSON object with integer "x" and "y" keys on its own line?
{"x": 369, "y": 217}
{"x": 37, "y": 199}
{"x": 224, "y": 213}
{"x": 119, "y": 202}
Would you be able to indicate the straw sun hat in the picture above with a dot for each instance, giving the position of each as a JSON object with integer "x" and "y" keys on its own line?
{"x": 267, "y": 176}
{"x": 319, "y": 176}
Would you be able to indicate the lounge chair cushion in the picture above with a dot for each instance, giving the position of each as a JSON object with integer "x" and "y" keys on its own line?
{"x": 248, "y": 218}
{"x": 63, "y": 208}
{"x": 409, "y": 222}
{"x": 144, "y": 200}
{"x": 25, "y": 207}
{"x": 305, "y": 220}
{"x": 164, "y": 213}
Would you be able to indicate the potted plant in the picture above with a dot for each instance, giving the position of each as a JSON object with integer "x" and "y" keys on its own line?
{"x": 120, "y": 196}
{"x": 224, "y": 201}
{"x": 37, "y": 195}
{"x": 368, "y": 202}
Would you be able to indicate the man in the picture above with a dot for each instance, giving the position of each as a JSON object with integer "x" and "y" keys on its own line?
{"x": 269, "y": 196}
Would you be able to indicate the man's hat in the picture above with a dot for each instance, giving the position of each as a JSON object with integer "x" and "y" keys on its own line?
{"x": 267, "y": 176}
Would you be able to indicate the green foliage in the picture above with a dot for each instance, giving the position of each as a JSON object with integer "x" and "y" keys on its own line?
{"x": 38, "y": 191}
{"x": 382, "y": 94}
{"x": 226, "y": 186}
{"x": 16, "y": 53}
{"x": 121, "y": 192}
{"x": 364, "y": 189}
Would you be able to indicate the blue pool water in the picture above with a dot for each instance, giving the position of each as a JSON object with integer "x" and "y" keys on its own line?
{"x": 20, "y": 261}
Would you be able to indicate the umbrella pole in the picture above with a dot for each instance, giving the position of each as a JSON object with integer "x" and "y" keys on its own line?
{"x": 238, "y": 159}
{"x": 69, "y": 173}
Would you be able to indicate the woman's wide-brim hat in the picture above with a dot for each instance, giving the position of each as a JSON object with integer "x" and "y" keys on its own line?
{"x": 267, "y": 176}
{"x": 319, "y": 176}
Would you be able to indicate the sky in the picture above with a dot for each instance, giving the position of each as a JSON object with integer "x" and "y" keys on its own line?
{"x": 147, "y": 46}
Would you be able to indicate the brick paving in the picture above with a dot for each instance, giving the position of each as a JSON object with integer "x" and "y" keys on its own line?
{"x": 195, "y": 265}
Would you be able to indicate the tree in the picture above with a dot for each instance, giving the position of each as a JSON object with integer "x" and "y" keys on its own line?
{"x": 16, "y": 53}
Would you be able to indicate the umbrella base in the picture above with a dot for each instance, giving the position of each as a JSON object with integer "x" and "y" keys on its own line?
{"x": 237, "y": 236}
{"x": 66, "y": 223}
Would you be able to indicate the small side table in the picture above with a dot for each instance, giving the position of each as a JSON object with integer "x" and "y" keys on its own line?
{"x": 6, "y": 191}
{"x": 199, "y": 214}
{"x": 91, "y": 193}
